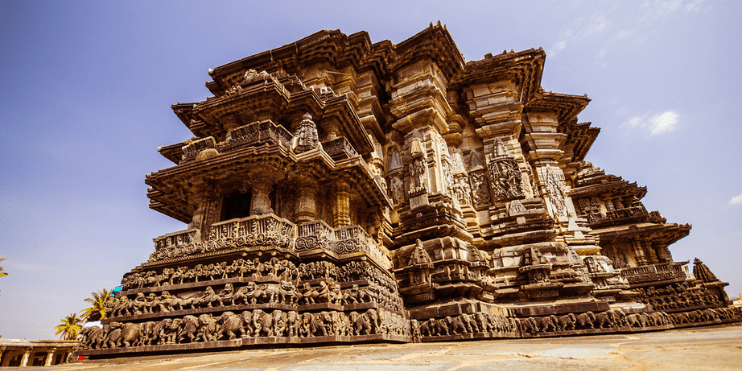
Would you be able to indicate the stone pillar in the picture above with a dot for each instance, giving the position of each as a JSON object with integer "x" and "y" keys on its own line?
{"x": 261, "y": 202}
{"x": 2, "y": 350}
{"x": 306, "y": 208}
{"x": 341, "y": 211}
{"x": 24, "y": 360}
{"x": 663, "y": 254}
{"x": 639, "y": 253}
{"x": 50, "y": 357}
{"x": 651, "y": 253}
{"x": 208, "y": 211}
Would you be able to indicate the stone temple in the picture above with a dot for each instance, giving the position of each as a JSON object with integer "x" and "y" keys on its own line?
{"x": 341, "y": 191}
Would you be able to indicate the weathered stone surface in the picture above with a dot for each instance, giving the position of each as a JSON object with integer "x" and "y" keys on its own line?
{"x": 342, "y": 192}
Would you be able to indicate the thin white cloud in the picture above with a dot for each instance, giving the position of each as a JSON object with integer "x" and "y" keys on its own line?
{"x": 585, "y": 29}
{"x": 656, "y": 9}
{"x": 736, "y": 199}
{"x": 623, "y": 34}
{"x": 559, "y": 46}
{"x": 654, "y": 124}
{"x": 694, "y": 6}
{"x": 664, "y": 122}
{"x": 596, "y": 25}
{"x": 602, "y": 52}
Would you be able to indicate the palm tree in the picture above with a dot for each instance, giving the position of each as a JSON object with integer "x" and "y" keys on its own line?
{"x": 3, "y": 273}
{"x": 69, "y": 328}
{"x": 97, "y": 310}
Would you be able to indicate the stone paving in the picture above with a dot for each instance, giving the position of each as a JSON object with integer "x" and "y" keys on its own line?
{"x": 709, "y": 348}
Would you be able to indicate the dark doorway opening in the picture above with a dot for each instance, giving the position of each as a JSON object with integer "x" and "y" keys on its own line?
{"x": 236, "y": 205}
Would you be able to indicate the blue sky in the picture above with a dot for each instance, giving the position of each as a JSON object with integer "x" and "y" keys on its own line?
{"x": 86, "y": 89}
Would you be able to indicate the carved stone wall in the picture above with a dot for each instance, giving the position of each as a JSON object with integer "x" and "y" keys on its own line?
{"x": 349, "y": 191}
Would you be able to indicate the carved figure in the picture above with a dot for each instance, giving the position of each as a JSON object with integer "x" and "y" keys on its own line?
{"x": 305, "y": 329}
{"x": 321, "y": 323}
{"x": 505, "y": 178}
{"x": 139, "y": 304}
{"x": 262, "y": 323}
{"x": 161, "y": 330}
{"x": 293, "y": 323}
{"x": 442, "y": 326}
{"x": 585, "y": 320}
{"x": 469, "y": 322}
{"x": 306, "y": 137}
{"x": 188, "y": 329}
{"x": 636, "y": 320}
{"x": 604, "y": 320}
{"x": 480, "y": 193}
{"x": 92, "y": 337}
{"x": 455, "y": 324}
{"x": 113, "y": 335}
{"x": 227, "y": 294}
{"x": 122, "y": 307}
{"x": 279, "y": 322}
{"x": 546, "y": 323}
{"x": 288, "y": 290}
{"x": 271, "y": 292}
{"x": 247, "y": 294}
{"x": 230, "y": 325}
{"x": 428, "y": 328}
{"x": 309, "y": 295}
{"x": 566, "y": 322}
{"x": 418, "y": 170}
{"x": 207, "y": 327}
{"x": 361, "y": 324}
{"x": 180, "y": 303}
{"x": 127, "y": 334}
{"x": 528, "y": 325}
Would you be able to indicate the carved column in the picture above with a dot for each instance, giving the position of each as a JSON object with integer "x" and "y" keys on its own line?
{"x": 261, "y": 202}
{"x": 651, "y": 253}
{"x": 24, "y": 360}
{"x": 50, "y": 357}
{"x": 663, "y": 254}
{"x": 212, "y": 213}
{"x": 341, "y": 211}
{"x": 306, "y": 207}
{"x": 639, "y": 253}
{"x": 2, "y": 350}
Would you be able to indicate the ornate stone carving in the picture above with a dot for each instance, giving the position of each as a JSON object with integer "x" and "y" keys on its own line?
{"x": 556, "y": 189}
{"x": 397, "y": 190}
{"x": 306, "y": 138}
{"x": 504, "y": 173}
{"x": 289, "y": 244}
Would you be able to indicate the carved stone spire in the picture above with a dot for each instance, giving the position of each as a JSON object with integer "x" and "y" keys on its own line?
{"x": 419, "y": 257}
{"x": 306, "y": 137}
{"x": 702, "y": 272}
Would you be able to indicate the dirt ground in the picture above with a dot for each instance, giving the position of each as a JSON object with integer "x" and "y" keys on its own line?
{"x": 709, "y": 348}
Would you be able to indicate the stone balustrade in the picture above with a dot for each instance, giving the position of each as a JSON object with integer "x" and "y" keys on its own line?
{"x": 339, "y": 148}
{"x": 267, "y": 232}
{"x": 353, "y": 238}
{"x": 191, "y": 150}
{"x": 257, "y": 230}
{"x": 253, "y": 134}
{"x": 256, "y": 133}
{"x": 617, "y": 215}
{"x": 314, "y": 235}
{"x": 175, "y": 244}
{"x": 653, "y": 272}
